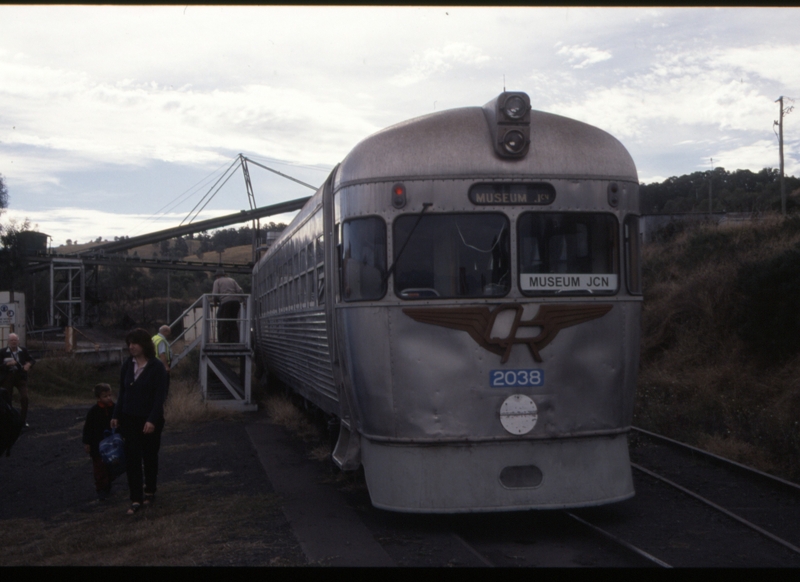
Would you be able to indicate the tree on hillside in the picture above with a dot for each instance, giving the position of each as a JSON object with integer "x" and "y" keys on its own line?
{"x": 3, "y": 194}
{"x": 737, "y": 191}
{"x": 12, "y": 257}
{"x": 181, "y": 248}
{"x": 3, "y": 199}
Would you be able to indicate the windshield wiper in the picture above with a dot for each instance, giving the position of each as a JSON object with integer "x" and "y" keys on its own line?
{"x": 425, "y": 206}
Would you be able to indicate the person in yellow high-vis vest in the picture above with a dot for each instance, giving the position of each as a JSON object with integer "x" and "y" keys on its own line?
{"x": 163, "y": 352}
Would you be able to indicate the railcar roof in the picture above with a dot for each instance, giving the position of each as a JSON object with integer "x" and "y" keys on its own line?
{"x": 457, "y": 143}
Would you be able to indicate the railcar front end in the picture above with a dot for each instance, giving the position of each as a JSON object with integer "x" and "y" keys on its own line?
{"x": 482, "y": 303}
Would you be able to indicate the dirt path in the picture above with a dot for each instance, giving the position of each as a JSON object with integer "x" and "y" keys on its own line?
{"x": 47, "y": 481}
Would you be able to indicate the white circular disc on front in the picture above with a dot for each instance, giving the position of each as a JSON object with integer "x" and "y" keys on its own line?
{"x": 518, "y": 414}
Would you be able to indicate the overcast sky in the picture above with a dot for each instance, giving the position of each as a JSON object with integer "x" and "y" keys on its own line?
{"x": 117, "y": 120}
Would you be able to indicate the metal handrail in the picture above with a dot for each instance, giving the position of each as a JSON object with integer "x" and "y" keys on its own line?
{"x": 205, "y": 302}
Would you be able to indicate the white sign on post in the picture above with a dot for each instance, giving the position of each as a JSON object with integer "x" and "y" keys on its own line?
{"x": 8, "y": 313}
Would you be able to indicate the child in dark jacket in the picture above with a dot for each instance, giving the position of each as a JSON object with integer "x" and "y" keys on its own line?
{"x": 98, "y": 420}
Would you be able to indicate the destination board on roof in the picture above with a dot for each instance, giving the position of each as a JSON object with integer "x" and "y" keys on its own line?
{"x": 488, "y": 194}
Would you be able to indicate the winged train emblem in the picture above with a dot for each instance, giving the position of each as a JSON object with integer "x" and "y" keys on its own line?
{"x": 479, "y": 321}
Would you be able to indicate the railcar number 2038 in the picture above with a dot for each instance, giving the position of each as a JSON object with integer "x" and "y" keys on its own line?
{"x": 509, "y": 378}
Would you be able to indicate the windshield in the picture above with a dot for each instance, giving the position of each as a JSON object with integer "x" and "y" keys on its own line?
{"x": 567, "y": 253}
{"x": 452, "y": 255}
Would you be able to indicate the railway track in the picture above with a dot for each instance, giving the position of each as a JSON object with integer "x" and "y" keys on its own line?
{"x": 764, "y": 503}
{"x": 549, "y": 539}
{"x": 691, "y": 509}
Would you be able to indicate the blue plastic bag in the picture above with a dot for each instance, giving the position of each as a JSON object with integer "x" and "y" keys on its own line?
{"x": 112, "y": 452}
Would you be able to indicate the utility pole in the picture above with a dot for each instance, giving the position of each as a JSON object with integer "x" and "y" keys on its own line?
{"x": 710, "y": 187}
{"x": 780, "y": 141}
{"x": 782, "y": 112}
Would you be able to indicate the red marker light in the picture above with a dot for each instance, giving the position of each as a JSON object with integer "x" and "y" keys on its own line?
{"x": 398, "y": 195}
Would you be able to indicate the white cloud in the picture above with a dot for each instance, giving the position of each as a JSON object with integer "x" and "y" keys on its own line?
{"x": 756, "y": 156}
{"x": 151, "y": 92}
{"x": 773, "y": 61}
{"x": 437, "y": 61}
{"x": 584, "y": 56}
{"x": 684, "y": 89}
{"x": 651, "y": 179}
{"x": 77, "y": 122}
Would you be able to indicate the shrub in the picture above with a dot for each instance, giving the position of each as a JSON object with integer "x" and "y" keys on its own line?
{"x": 68, "y": 380}
{"x": 720, "y": 363}
{"x": 705, "y": 244}
{"x": 769, "y": 317}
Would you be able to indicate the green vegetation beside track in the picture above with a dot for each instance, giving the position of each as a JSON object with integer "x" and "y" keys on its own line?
{"x": 721, "y": 341}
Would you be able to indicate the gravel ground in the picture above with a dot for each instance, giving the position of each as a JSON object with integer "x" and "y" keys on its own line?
{"x": 48, "y": 477}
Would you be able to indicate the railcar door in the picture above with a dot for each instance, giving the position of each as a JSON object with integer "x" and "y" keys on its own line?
{"x": 347, "y": 453}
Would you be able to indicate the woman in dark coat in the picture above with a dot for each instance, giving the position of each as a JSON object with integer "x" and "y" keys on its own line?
{"x": 139, "y": 415}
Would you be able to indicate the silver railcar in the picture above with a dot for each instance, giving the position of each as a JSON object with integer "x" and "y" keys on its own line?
{"x": 464, "y": 294}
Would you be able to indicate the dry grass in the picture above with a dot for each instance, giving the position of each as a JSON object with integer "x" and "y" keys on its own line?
{"x": 299, "y": 422}
{"x": 195, "y": 529}
{"x": 283, "y": 413}
{"x": 58, "y": 382}
{"x": 699, "y": 382}
{"x": 185, "y": 405}
{"x": 736, "y": 450}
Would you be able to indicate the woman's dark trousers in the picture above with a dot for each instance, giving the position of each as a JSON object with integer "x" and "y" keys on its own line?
{"x": 140, "y": 449}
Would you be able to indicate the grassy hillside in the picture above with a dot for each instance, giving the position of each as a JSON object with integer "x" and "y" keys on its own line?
{"x": 721, "y": 341}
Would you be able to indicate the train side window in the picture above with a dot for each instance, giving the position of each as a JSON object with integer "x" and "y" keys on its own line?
{"x": 311, "y": 276}
{"x": 363, "y": 259}
{"x": 633, "y": 262}
{"x": 320, "y": 287}
{"x": 568, "y": 253}
{"x": 320, "y": 250}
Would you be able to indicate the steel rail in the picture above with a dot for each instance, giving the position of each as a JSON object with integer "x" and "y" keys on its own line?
{"x": 623, "y": 543}
{"x": 614, "y": 539}
{"x": 723, "y": 460}
{"x": 719, "y": 508}
{"x": 473, "y": 551}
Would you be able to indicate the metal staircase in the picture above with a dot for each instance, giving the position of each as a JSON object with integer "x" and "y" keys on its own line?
{"x": 225, "y": 366}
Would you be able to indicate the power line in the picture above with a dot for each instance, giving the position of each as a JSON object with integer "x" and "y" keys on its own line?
{"x": 281, "y": 174}
{"x": 216, "y": 187}
{"x": 209, "y": 192}
{"x": 178, "y": 199}
{"x": 325, "y": 169}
